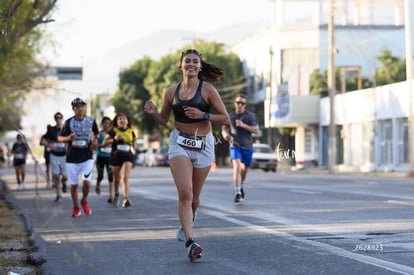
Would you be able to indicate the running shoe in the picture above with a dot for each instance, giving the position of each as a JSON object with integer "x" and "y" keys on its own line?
{"x": 115, "y": 201}
{"x": 126, "y": 203}
{"x": 238, "y": 198}
{"x": 85, "y": 207}
{"x": 98, "y": 189}
{"x": 58, "y": 198}
{"x": 64, "y": 187}
{"x": 194, "y": 251}
{"x": 180, "y": 231}
{"x": 76, "y": 212}
{"x": 109, "y": 200}
{"x": 242, "y": 193}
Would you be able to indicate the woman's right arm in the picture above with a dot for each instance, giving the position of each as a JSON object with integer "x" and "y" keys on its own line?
{"x": 163, "y": 116}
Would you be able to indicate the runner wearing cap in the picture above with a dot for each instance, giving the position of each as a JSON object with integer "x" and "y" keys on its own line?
{"x": 81, "y": 134}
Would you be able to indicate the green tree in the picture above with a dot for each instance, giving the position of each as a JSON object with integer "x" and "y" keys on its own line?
{"x": 319, "y": 82}
{"x": 20, "y": 41}
{"x": 132, "y": 93}
{"x": 392, "y": 70}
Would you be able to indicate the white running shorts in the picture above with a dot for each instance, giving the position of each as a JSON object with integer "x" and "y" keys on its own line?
{"x": 84, "y": 169}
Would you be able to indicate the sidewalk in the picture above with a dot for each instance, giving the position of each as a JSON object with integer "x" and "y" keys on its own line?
{"x": 16, "y": 246}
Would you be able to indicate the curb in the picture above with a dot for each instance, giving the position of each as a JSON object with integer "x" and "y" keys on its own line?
{"x": 37, "y": 255}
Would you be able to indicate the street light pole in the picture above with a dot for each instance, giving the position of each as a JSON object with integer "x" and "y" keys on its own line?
{"x": 331, "y": 88}
{"x": 409, "y": 73}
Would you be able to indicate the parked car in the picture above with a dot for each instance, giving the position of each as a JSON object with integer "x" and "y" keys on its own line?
{"x": 152, "y": 157}
{"x": 161, "y": 157}
{"x": 264, "y": 157}
{"x": 145, "y": 157}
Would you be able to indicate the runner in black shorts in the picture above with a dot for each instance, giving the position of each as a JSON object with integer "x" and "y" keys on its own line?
{"x": 123, "y": 140}
{"x": 103, "y": 155}
{"x": 19, "y": 151}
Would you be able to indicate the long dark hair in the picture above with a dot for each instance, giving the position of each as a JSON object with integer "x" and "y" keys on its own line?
{"x": 209, "y": 72}
{"x": 115, "y": 120}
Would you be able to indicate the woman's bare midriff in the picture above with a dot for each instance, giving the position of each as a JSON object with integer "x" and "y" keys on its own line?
{"x": 201, "y": 128}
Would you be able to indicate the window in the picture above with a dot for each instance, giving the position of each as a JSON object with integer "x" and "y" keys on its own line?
{"x": 308, "y": 141}
{"x": 385, "y": 142}
{"x": 403, "y": 141}
{"x": 368, "y": 143}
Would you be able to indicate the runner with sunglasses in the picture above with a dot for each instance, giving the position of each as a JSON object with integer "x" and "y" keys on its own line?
{"x": 239, "y": 134}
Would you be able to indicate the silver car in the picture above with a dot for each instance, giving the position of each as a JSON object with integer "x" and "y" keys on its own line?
{"x": 264, "y": 157}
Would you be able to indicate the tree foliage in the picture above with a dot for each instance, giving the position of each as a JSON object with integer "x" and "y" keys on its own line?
{"x": 391, "y": 71}
{"x": 149, "y": 79}
{"x": 20, "y": 38}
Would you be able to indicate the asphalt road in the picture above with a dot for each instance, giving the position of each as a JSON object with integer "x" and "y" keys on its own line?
{"x": 289, "y": 223}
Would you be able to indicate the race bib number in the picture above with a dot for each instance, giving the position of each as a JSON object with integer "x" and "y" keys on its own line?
{"x": 190, "y": 142}
{"x": 123, "y": 147}
{"x": 18, "y": 156}
{"x": 60, "y": 145}
{"x": 80, "y": 143}
{"x": 107, "y": 150}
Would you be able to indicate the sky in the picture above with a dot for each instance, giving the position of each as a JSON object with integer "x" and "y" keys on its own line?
{"x": 85, "y": 30}
{"x": 88, "y": 28}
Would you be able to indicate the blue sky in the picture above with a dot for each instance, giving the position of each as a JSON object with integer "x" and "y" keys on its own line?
{"x": 87, "y": 28}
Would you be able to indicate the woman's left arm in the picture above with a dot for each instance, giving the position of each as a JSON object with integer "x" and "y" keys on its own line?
{"x": 221, "y": 117}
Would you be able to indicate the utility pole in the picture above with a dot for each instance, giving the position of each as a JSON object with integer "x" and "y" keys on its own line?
{"x": 331, "y": 89}
{"x": 271, "y": 87}
{"x": 409, "y": 73}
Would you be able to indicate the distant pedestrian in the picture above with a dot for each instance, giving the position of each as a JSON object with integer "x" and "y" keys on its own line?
{"x": 81, "y": 134}
{"x": 46, "y": 155}
{"x": 103, "y": 156}
{"x": 123, "y": 139}
{"x": 57, "y": 151}
{"x": 19, "y": 151}
{"x": 191, "y": 143}
{"x": 239, "y": 134}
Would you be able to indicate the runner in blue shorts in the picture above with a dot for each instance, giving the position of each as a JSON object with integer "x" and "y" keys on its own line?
{"x": 239, "y": 134}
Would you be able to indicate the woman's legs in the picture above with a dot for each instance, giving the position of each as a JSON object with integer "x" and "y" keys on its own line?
{"x": 189, "y": 182}
{"x": 127, "y": 166}
{"x": 116, "y": 170}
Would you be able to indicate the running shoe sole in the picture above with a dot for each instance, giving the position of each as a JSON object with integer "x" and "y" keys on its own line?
{"x": 76, "y": 214}
{"x": 86, "y": 209}
{"x": 195, "y": 253}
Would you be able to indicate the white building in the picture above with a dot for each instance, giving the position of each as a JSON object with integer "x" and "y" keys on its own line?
{"x": 278, "y": 64}
{"x": 372, "y": 128}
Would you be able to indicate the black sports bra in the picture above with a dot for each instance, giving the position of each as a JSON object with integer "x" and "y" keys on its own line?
{"x": 177, "y": 105}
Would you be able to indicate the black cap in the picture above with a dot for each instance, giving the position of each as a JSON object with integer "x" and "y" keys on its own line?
{"x": 78, "y": 101}
{"x": 58, "y": 115}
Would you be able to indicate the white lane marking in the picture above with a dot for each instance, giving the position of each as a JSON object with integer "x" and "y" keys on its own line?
{"x": 302, "y": 191}
{"x": 400, "y": 202}
{"x": 391, "y": 266}
{"x": 218, "y": 212}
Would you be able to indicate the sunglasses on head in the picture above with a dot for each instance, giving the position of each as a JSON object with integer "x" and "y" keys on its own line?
{"x": 240, "y": 103}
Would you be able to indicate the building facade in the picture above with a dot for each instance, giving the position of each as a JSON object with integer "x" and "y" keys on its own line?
{"x": 278, "y": 64}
